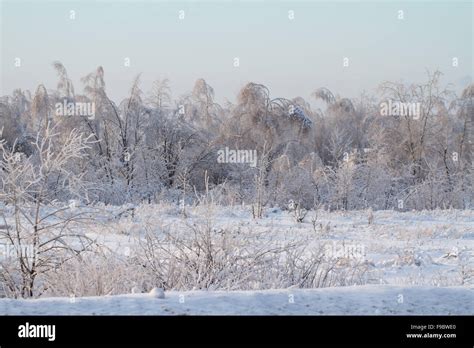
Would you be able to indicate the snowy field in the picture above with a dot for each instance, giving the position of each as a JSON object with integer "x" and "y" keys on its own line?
{"x": 352, "y": 300}
{"x": 399, "y": 263}
{"x": 430, "y": 248}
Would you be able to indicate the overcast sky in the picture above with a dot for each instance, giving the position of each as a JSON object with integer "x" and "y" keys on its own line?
{"x": 291, "y": 57}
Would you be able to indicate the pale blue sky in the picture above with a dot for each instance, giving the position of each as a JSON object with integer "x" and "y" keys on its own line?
{"x": 292, "y": 58}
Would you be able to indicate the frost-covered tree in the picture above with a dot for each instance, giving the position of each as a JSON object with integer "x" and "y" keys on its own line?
{"x": 39, "y": 194}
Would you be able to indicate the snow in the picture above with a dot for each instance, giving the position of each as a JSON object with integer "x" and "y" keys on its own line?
{"x": 354, "y": 300}
{"x": 418, "y": 263}
{"x": 402, "y": 248}
{"x": 157, "y": 293}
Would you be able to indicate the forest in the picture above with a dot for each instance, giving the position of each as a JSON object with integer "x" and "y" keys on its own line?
{"x": 354, "y": 154}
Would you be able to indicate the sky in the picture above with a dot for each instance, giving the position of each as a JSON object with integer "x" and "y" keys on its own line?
{"x": 292, "y": 57}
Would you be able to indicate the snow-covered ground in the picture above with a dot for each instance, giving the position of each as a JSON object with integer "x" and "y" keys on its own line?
{"x": 429, "y": 248}
{"x": 363, "y": 300}
{"x": 414, "y": 263}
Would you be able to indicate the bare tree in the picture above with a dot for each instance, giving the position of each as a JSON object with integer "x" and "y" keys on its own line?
{"x": 43, "y": 230}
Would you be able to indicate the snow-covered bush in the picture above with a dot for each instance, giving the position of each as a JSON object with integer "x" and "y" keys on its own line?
{"x": 201, "y": 256}
{"x": 94, "y": 274}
